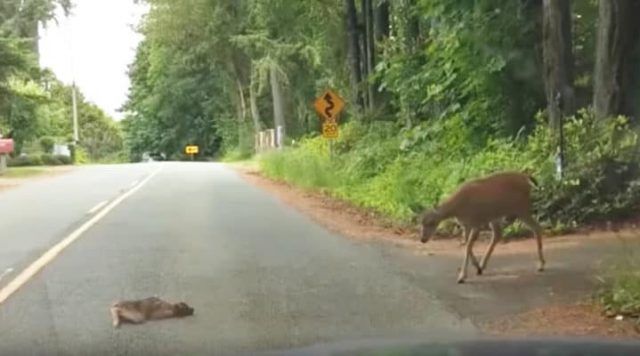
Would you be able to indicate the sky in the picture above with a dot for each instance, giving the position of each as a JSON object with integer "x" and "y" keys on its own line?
{"x": 95, "y": 44}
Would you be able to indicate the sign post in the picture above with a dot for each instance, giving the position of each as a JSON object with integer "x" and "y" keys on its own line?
{"x": 329, "y": 105}
{"x": 191, "y": 150}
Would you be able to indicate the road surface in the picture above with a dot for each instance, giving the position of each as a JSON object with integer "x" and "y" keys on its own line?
{"x": 260, "y": 275}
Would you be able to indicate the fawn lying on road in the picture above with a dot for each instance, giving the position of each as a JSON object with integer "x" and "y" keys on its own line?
{"x": 139, "y": 311}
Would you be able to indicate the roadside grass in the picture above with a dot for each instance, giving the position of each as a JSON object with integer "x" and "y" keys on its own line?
{"x": 25, "y": 172}
{"x": 236, "y": 155}
{"x": 620, "y": 291}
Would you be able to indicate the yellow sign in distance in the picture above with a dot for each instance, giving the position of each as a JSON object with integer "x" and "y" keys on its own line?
{"x": 191, "y": 150}
{"x": 329, "y": 105}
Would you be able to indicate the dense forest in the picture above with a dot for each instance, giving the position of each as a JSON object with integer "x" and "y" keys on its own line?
{"x": 35, "y": 107}
{"x": 437, "y": 91}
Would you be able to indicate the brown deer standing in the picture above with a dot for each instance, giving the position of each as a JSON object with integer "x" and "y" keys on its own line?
{"x": 483, "y": 201}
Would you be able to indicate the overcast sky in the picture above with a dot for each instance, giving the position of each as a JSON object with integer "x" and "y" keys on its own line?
{"x": 94, "y": 45}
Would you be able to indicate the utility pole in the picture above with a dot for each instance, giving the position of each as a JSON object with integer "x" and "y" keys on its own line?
{"x": 76, "y": 136}
{"x": 74, "y": 99}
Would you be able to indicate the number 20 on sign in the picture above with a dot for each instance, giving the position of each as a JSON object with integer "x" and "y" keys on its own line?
{"x": 329, "y": 105}
{"x": 330, "y": 129}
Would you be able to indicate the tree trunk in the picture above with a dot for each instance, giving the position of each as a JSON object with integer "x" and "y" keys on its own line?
{"x": 364, "y": 53}
{"x": 241, "y": 108}
{"x": 617, "y": 41}
{"x": 558, "y": 60}
{"x": 381, "y": 33}
{"x": 243, "y": 102}
{"x": 412, "y": 30}
{"x": 354, "y": 51}
{"x": 381, "y": 19}
{"x": 367, "y": 14}
{"x": 253, "y": 104}
{"x": 278, "y": 100}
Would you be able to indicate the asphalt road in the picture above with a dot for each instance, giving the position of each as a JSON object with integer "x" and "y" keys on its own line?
{"x": 260, "y": 275}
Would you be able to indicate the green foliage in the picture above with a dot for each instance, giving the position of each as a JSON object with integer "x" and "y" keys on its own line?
{"x": 46, "y": 143}
{"x": 20, "y": 94}
{"x": 201, "y": 63}
{"x": 113, "y": 158}
{"x": 80, "y": 156}
{"x": 100, "y": 136}
{"x": 39, "y": 160}
{"x": 21, "y": 117}
{"x": 33, "y": 103}
{"x": 236, "y": 154}
{"x": 601, "y": 180}
{"x": 25, "y": 160}
{"x": 308, "y": 166}
{"x": 55, "y": 160}
{"x": 468, "y": 69}
{"x": 399, "y": 172}
{"x": 620, "y": 291}
{"x": 23, "y": 172}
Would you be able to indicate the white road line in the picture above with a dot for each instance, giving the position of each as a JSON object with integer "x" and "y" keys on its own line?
{"x": 134, "y": 183}
{"x": 6, "y": 272}
{"x": 24, "y": 276}
{"x": 97, "y": 207}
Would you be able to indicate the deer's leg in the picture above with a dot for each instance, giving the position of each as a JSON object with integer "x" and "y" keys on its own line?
{"x": 465, "y": 235}
{"x": 468, "y": 253}
{"x": 495, "y": 237}
{"x": 133, "y": 317}
{"x": 115, "y": 317}
{"x": 537, "y": 232}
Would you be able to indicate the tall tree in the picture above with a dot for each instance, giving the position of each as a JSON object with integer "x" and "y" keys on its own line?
{"x": 354, "y": 51}
{"x": 411, "y": 24}
{"x": 615, "y": 70}
{"x": 370, "y": 49}
{"x": 558, "y": 59}
{"x": 275, "y": 78}
{"x": 381, "y": 18}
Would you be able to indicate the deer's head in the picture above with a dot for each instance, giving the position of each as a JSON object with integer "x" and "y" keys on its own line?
{"x": 429, "y": 221}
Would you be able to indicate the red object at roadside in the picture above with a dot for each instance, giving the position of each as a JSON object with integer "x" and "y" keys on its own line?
{"x": 6, "y": 145}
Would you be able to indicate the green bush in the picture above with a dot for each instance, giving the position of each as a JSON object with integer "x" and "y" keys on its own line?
{"x": 50, "y": 160}
{"x": 399, "y": 172}
{"x": 114, "y": 158}
{"x": 39, "y": 160}
{"x": 80, "y": 155}
{"x": 308, "y": 166}
{"x": 620, "y": 293}
{"x": 64, "y": 160}
{"x": 236, "y": 154}
{"x": 47, "y": 143}
{"x": 24, "y": 161}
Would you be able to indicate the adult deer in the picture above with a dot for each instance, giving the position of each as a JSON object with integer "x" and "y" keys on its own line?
{"x": 483, "y": 201}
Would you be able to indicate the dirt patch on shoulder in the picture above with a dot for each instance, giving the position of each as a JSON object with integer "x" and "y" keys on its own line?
{"x": 346, "y": 219}
{"x": 8, "y": 183}
{"x": 581, "y": 320}
{"x": 335, "y": 215}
